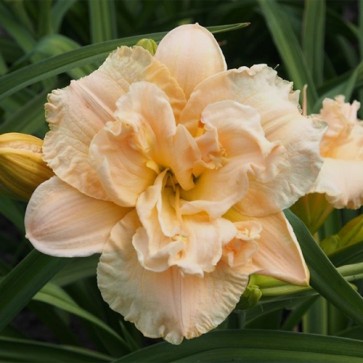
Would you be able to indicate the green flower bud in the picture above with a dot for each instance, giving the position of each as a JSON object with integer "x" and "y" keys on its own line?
{"x": 148, "y": 44}
{"x": 250, "y": 297}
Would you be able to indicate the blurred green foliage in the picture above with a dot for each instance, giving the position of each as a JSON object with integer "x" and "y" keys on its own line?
{"x": 46, "y": 43}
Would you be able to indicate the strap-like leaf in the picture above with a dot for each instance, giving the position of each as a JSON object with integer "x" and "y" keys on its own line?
{"x": 24, "y": 281}
{"x": 253, "y": 346}
{"x": 288, "y": 47}
{"x": 21, "y": 350}
{"x": 324, "y": 276}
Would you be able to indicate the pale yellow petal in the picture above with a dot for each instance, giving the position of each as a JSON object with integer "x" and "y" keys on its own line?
{"x": 128, "y": 153}
{"x": 340, "y": 117}
{"x": 76, "y": 113}
{"x": 279, "y": 254}
{"x": 192, "y": 54}
{"x": 166, "y": 238}
{"x": 342, "y": 182}
{"x": 184, "y": 156}
{"x": 216, "y": 191}
{"x": 121, "y": 169}
{"x": 239, "y": 155}
{"x": 167, "y": 304}
{"x": 259, "y": 88}
{"x": 60, "y": 221}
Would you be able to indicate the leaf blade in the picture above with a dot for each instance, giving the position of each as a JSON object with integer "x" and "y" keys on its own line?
{"x": 22, "y": 283}
{"x": 324, "y": 277}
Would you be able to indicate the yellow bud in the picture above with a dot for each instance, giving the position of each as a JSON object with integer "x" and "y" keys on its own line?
{"x": 22, "y": 168}
{"x": 148, "y": 44}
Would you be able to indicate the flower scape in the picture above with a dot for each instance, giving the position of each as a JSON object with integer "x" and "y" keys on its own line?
{"x": 176, "y": 170}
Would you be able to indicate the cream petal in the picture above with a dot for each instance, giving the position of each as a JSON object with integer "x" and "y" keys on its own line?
{"x": 340, "y": 117}
{"x": 153, "y": 240}
{"x": 216, "y": 191}
{"x": 60, "y": 221}
{"x": 192, "y": 54}
{"x": 76, "y": 113}
{"x": 342, "y": 182}
{"x": 184, "y": 156}
{"x": 121, "y": 168}
{"x": 128, "y": 153}
{"x": 169, "y": 304}
{"x": 244, "y": 150}
{"x": 240, "y": 250}
{"x": 260, "y": 88}
{"x": 279, "y": 254}
{"x": 166, "y": 238}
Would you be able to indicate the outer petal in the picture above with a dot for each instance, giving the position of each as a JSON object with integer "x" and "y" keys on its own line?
{"x": 166, "y": 304}
{"x": 192, "y": 54}
{"x": 260, "y": 88}
{"x": 60, "y": 221}
{"x": 342, "y": 182}
{"x": 279, "y": 254}
{"x": 77, "y": 112}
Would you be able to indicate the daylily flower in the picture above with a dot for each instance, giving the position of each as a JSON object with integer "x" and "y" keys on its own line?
{"x": 341, "y": 176}
{"x": 177, "y": 170}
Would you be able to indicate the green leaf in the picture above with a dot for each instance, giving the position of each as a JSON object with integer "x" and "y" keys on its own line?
{"x": 253, "y": 346}
{"x": 313, "y": 38}
{"x": 10, "y": 210}
{"x": 351, "y": 254}
{"x": 24, "y": 281}
{"x": 345, "y": 85}
{"x": 28, "y": 118}
{"x": 350, "y": 234}
{"x": 12, "y": 26}
{"x": 56, "y": 296}
{"x": 28, "y": 75}
{"x": 77, "y": 269}
{"x": 24, "y": 350}
{"x": 324, "y": 276}
{"x": 58, "y": 12}
{"x": 102, "y": 20}
{"x": 288, "y": 47}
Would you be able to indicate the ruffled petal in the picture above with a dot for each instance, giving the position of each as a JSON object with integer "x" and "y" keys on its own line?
{"x": 259, "y": 88}
{"x": 340, "y": 117}
{"x": 76, "y": 113}
{"x": 127, "y": 153}
{"x": 166, "y": 238}
{"x": 192, "y": 54}
{"x": 279, "y": 254}
{"x": 238, "y": 155}
{"x": 342, "y": 182}
{"x": 184, "y": 156}
{"x": 169, "y": 304}
{"x": 216, "y": 191}
{"x": 60, "y": 221}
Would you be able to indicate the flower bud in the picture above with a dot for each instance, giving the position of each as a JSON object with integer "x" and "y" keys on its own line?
{"x": 22, "y": 168}
{"x": 148, "y": 44}
{"x": 250, "y": 297}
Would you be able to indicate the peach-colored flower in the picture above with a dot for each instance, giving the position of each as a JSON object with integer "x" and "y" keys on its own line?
{"x": 177, "y": 170}
{"x": 341, "y": 176}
